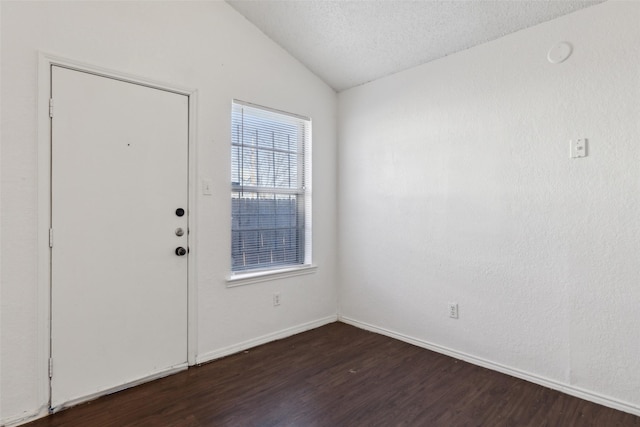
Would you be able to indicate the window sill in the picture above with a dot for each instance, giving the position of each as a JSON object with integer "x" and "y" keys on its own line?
{"x": 241, "y": 279}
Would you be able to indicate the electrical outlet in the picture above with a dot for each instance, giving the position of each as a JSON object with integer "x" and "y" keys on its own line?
{"x": 276, "y": 299}
{"x": 453, "y": 310}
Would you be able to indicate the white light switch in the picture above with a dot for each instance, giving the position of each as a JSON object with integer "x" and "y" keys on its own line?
{"x": 578, "y": 148}
{"x": 206, "y": 187}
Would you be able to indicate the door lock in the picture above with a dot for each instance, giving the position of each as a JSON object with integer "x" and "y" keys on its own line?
{"x": 180, "y": 251}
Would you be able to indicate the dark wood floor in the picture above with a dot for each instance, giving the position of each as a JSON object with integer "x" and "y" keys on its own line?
{"x": 334, "y": 376}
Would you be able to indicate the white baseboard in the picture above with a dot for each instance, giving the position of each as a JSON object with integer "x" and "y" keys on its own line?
{"x": 232, "y": 349}
{"x": 555, "y": 385}
{"x": 545, "y": 382}
{"x": 23, "y": 419}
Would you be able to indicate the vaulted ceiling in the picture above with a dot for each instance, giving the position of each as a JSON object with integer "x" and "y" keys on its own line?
{"x": 351, "y": 42}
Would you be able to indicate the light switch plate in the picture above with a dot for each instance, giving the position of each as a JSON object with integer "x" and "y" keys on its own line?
{"x": 206, "y": 187}
{"x": 578, "y": 148}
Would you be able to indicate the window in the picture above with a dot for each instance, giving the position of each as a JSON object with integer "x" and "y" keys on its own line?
{"x": 270, "y": 189}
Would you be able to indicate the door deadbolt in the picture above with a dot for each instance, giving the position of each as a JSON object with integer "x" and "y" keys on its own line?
{"x": 179, "y": 231}
{"x": 180, "y": 212}
{"x": 180, "y": 251}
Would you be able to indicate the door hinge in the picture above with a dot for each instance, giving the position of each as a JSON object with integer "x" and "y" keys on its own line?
{"x": 51, "y": 237}
{"x": 51, "y": 107}
{"x": 50, "y": 367}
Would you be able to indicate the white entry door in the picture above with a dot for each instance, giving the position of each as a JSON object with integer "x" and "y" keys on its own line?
{"x": 119, "y": 280}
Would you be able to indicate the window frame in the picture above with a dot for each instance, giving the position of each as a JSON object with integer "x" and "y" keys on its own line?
{"x": 302, "y": 190}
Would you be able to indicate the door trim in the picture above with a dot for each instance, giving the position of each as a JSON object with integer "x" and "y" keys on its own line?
{"x": 45, "y": 62}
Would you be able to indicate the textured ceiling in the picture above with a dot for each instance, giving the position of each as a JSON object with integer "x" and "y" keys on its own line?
{"x": 348, "y": 43}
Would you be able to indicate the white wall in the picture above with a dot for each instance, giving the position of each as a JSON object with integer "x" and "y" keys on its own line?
{"x": 201, "y": 45}
{"x": 456, "y": 185}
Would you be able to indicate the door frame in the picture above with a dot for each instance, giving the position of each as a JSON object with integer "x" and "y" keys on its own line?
{"x": 45, "y": 62}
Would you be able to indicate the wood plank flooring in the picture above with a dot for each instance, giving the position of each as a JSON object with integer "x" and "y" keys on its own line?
{"x": 335, "y": 376}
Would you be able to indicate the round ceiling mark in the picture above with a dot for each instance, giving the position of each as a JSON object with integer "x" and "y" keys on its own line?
{"x": 559, "y": 52}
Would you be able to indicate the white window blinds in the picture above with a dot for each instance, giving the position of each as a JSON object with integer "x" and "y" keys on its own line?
{"x": 270, "y": 188}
